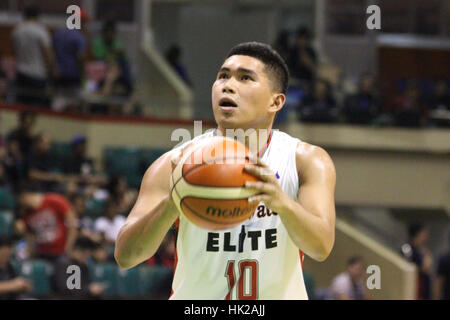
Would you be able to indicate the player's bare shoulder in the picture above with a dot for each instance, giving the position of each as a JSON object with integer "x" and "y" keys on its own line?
{"x": 312, "y": 160}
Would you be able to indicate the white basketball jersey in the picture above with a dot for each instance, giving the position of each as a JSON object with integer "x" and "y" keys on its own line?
{"x": 255, "y": 260}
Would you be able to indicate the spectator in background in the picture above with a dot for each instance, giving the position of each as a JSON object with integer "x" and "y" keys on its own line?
{"x": 363, "y": 107}
{"x": 281, "y": 45}
{"x": 14, "y": 164}
{"x": 80, "y": 166}
{"x": 350, "y": 285}
{"x": 118, "y": 191}
{"x": 82, "y": 251}
{"x": 43, "y": 172}
{"x": 48, "y": 222}
{"x": 408, "y": 108}
{"x": 23, "y": 133}
{"x": 70, "y": 51}
{"x": 111, "y": 50}
{"x": 173, "y": 56}
{"x": 34, "y": 58}
{"x": 303, "y": 59}
{"x": 442, "y": 284}
{"x": 319, "y": 106}
{"x": 107, "y": 47}
{"x": 85, "y": 223}
{"x": 3, "y": 85}
{"x": 108, "y": 226}
{"x": 417, "y": 252}
{"x": 11, "y": 285}
{"x": 440, "y": 104}
{"x": 100, "y": 255}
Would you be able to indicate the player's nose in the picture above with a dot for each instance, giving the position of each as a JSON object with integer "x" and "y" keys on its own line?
{"x": 228, "y": 89}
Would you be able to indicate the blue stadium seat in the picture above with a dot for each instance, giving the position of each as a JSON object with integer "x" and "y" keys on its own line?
{"x": 6, "y": 223}
{"x": 6, "y": 199}
{"x": 60, "y": 151}
{"x": 106, "y": 273}
{"x": 149, "y": 155}
{"x": 128, "y": 283}
{"x": 39, "y": 272}
{"x": 94, "y": 208}
{"x": 124, "y": 161}
{"x": 155, "y": 280}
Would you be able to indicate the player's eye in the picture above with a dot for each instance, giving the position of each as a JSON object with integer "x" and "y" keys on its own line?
{"x": 246, "y": 77}
{"x": 223, "y": 76}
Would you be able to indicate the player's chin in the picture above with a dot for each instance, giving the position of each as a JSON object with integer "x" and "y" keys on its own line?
{"x": 228, "y": 122}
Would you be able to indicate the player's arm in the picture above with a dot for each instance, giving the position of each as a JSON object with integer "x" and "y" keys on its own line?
{"x": 151, "y": 217}
{"x": 310, "y": 220}
{"x": 312, "y": 227}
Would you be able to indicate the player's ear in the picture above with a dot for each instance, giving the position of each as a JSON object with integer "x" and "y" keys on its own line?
{"x": 278, "y": 101}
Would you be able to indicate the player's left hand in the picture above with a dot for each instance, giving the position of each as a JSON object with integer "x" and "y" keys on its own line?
{"x": 270, "y": 191}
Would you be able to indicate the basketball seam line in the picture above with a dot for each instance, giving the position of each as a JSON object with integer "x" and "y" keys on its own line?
{"x": 197, "y": 167}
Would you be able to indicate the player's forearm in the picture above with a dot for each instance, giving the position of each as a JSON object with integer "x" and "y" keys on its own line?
{"x": 310, "y": 233}
{"x": 139, "y": 239}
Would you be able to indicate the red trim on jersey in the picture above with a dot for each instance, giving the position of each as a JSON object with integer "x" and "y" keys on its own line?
{"x": 302, "y": 255}
{"x": 177, "y": 224}
{"x": 261, "y": 152}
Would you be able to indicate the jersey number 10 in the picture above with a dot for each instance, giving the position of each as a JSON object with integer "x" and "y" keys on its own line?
{"x": 243, "y": 292}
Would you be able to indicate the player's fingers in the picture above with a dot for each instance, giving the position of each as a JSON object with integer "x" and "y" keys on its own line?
{"x": 260, "y": 186}
{"x": 258, "y": 198}
{"x": 264, "y": 174}
{"x": 256, "y": 160}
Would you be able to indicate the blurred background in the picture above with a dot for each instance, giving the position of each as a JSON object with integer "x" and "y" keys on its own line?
{"x": 84, "y": 112}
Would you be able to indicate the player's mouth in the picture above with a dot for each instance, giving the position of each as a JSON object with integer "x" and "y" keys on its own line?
{"x": 227, "y": 104}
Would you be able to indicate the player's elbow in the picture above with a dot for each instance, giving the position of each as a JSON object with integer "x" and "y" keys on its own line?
{"x": 121, "y": 261}
{"x": 322, "y": 253}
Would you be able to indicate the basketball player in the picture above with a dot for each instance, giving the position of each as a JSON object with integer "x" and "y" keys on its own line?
{"x": 262, "y": 257}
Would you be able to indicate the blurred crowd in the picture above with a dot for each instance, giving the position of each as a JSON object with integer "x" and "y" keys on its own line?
{"x": 89, "y": 72}
{"x": 71, "y": 70}
{"x": 320, "y": 93}
{"x": 433, "y": 274}
{"x": 53, "y": 221}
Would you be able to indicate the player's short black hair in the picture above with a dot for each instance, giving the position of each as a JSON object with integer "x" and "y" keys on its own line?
{"x": 274, "y": 63}
{"x": 31, "y": 11}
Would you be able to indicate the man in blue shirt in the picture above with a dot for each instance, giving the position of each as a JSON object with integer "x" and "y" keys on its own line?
{"x": 70, "y": 50}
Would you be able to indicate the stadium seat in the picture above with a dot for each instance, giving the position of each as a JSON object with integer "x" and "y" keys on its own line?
{"x": 128, "y": 283}
{"x": 124, "y": 161}
{"x": 148, "y": 156}
{"x": 6, "y": 199}
{"x": 94, "y": 208}
{"x": 105, "y": 273}
{"x": 155, "y": 280}
{"x": 60, "y": 151}
{"x": 309, "y": 284}
{"x": 39, "y": 272}
{"x": 6, "y": 223}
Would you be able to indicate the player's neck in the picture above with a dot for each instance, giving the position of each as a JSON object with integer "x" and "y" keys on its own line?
{"x": 255, "y": 139}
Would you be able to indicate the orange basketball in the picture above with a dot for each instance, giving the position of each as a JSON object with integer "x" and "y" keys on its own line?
{"x": 207, "y": 185}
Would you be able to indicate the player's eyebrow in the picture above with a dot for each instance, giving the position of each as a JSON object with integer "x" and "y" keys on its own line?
{"x": 240, "y": 70}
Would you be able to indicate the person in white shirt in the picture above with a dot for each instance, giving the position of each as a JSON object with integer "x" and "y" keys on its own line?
{"x": 350, "y": 285}
{"x": 34, "y": 57}
{"x": 109, "y": 225}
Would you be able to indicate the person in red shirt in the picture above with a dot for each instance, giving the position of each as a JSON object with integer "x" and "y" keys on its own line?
{"x": 49, "y": 223}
